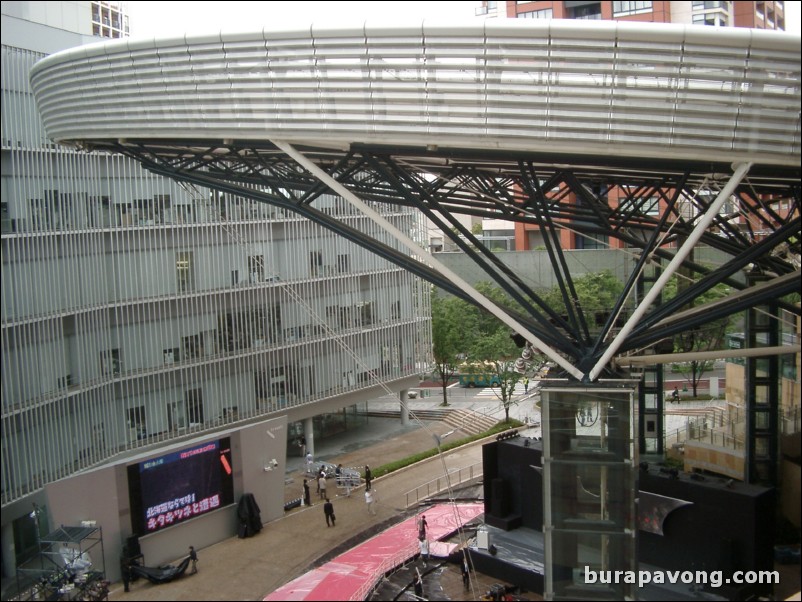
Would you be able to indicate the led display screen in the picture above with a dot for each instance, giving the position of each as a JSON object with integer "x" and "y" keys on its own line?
{"x": 170, "y": 489}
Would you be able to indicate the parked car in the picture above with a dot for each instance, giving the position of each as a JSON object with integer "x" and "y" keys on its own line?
{"x": 347, "y": 475}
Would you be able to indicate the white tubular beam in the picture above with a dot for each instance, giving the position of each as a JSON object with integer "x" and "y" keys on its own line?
{"x": 416, "y": 249}
{"x": 685, "y": 250}
{"x": 701, "y": 356}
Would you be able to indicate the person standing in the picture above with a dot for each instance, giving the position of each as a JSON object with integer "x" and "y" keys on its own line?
{"x": 309, "y": 461}
{"x": 418, "y": 584}
{"x": 675, "y": 395}
{"x": 466, "y": 573}
{"x": 193, "y": 556}
{"x": 422, "y": 524}
{"x": 368, "y": 477}
{"x": 526, "y": 384}
{"x": 424, "y": 551}
{"x": 307, "y": 496}
{"x": 125, "y": 570}
{"x": 321, "y": 481}
{"x": 328, "y": 510}
{"x": 369, "y": 501}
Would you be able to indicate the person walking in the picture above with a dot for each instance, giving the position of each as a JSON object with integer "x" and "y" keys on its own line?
{"x": 328, "y": 510}
{"x": 422, "y": 524}
{"x": 369, "y": 501}
{"x": 193, "y": 556}
{"x": 675, "y": 395}
{"x": 309, "y": 462}
{"x": 424, "y": 550}
{"x": 368, "y": 477}
{"x": 466, "y": 573}
{"x": 526, "y": 384}
{"x": 321, "y": 481}
{"x": 307, "y": 496}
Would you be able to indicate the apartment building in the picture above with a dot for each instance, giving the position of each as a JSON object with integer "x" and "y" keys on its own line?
{"x": 140, "y": 317}
{"x": 759, "y": 15}
{"x": 723, "y": 13}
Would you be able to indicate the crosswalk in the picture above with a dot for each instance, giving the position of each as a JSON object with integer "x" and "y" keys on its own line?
{"x": 495, "y": 392}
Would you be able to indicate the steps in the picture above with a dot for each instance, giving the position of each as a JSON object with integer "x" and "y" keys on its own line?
{"x": 466, "y": 421}
{"x": 470, "y": 422}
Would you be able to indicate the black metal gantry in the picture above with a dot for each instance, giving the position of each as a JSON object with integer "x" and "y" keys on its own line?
{"x": 648, "y": 205}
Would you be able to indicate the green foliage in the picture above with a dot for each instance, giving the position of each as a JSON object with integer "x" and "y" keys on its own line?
{"x": 596, "y": 292}
{"x": 500, "y": 427}
{"x": 706, "y": 337}
{"x": 452, "y": 333}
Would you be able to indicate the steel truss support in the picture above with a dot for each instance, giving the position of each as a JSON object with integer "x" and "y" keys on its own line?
{"x": 643, "y": 206}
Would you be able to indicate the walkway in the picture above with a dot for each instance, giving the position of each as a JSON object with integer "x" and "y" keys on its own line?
{"x": 249, "y": 569}
{"x": 353, "y": 574}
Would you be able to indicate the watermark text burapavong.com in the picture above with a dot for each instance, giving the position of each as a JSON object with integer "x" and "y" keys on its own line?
{"x": 712, "y": 578}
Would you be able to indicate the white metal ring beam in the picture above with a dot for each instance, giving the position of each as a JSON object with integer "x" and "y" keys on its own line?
{"x": 685, "y": 250}
{"x": 416, "y": 249}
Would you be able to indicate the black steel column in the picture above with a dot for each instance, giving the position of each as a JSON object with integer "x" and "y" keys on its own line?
{"x": 762, "y": 393}
{"x": 651, "y": 431}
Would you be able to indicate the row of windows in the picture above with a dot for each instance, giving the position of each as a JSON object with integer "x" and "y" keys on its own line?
{"x": 126, "y": 320}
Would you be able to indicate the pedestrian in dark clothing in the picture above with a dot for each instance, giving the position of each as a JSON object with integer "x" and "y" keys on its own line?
{"x": 419, "y": 586}
{"x": 307, "y": 500}
{"x": 422, "y": 524}
{"x": 328, "y": 510}
{"x": 193, "y": 556}
{"x": 675, "y": 395}
{"x": 125, "y": 570}
{"x": 466, "y": 573}
{"x": 368, "y": 477}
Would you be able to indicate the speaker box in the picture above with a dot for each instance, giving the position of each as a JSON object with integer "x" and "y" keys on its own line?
{"x": 499, "y": 505}
{"x": 132, "y": 546}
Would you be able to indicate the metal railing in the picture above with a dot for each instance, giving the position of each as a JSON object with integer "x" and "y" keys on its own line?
{"x": 456, "y": 476}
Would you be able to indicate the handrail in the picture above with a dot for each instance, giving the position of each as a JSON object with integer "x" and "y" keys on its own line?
{"x": 464, "y": 474}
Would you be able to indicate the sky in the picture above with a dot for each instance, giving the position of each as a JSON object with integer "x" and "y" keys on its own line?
{"x": 171, "y": 18}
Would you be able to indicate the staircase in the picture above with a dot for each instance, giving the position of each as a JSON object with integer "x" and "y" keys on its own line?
{"x": 467, "y": 422}
{"x": 470, "y": 422}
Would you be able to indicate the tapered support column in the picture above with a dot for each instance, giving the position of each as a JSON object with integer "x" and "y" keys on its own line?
{"x": 404, "y": 407}
{"x": 309, "y": 434}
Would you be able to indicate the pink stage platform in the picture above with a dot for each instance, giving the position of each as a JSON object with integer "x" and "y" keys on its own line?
{"x": 352, "y": 575}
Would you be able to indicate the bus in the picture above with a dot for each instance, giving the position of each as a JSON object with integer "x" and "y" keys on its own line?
{"x": 479, "y": 380}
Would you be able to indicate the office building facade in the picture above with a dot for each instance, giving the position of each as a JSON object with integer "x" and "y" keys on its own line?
{"x": 139, "y": 315}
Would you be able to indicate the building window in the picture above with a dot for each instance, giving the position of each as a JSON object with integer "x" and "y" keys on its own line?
{"x": 194, "y": 401}
{"x": 110, "y": 362}
{"x": 315, "y": 263}
{"x": 585, "y": 11}
{"x": 710, "y": 5}
{"x": 595, "y": 241}
{"x": 176, "y": 417}
{"x": 621, "y": 9}
{"x": 136, "y": 423}
{"x": 545, "y": 13}
{"x": 171, "y": 355}
{"x": 711, "y": 19}
{"x": 192, "y": 346}
{"x": 256, "y": 268}
{"x": 184, "y": 271}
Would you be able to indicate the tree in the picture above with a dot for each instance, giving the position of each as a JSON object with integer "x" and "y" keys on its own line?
{"x": 451, "y": 332}
{"x": 498, "y": 351}
{"x": 707, "y": 337}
